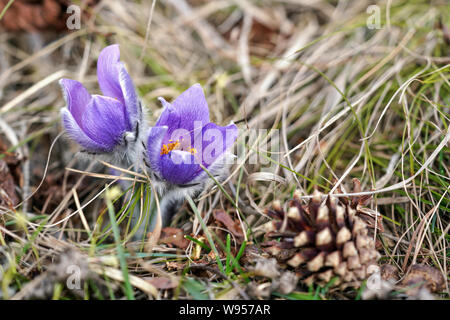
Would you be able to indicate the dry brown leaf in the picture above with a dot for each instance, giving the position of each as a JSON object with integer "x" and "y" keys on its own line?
{"x": 37, "y": 15}
{"x": 233, "y": 226}
{"x": 173, "y": 237}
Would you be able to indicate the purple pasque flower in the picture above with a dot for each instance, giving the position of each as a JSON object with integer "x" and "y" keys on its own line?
{"x": 183, "y": 140}
{"x": 102, "y": 123}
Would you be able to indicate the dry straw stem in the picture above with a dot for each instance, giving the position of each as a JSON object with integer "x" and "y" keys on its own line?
{"x": 137, "y": 282}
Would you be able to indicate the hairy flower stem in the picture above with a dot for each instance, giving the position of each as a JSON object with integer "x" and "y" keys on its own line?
{"x": 147, "y": 219}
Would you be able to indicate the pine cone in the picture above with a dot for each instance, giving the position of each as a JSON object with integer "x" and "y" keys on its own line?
{"x": 324, "y": 239}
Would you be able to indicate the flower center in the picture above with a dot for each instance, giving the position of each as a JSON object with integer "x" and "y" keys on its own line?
{"x": 167, "y": 148}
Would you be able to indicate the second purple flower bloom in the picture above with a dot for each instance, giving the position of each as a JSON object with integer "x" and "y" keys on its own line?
{"x": 183, "y": 140}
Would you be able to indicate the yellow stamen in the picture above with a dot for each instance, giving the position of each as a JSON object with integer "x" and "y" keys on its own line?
{"x": 166, "y": 148}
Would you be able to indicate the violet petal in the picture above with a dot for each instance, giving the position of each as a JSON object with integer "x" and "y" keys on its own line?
{"x": 179, "y": 167}
{"x": 154, "y": 144}
{"x": 108, "y": 72}
{"x": 76, "y": 96}
{"x": 191, "y": 105}
{"x": 129, "y": 95}
{"x": 169, "y": 117}
{"x": 104, "y": 121}
{"x": 216, "y": 140}
{"x": 74, "y": 131}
